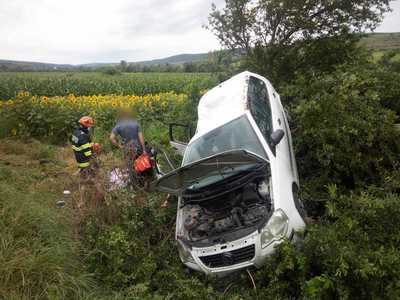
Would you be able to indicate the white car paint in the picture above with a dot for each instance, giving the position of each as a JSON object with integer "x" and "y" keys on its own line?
{"x": 219, "y": 106}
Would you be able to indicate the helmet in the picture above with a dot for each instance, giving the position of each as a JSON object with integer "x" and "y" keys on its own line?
{"x": 86, "y": 121}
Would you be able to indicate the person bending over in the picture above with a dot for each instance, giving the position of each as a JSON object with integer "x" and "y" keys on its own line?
{"x": 128, "y": 130}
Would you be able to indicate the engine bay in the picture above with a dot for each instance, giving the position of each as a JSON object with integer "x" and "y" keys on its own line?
{"x": 243, "y": 207}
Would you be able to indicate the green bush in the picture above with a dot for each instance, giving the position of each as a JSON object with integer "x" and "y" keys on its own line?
{"x": 343, "y": 133}
{"x": 352, "y": 254}
{"x": 134, "y": 252}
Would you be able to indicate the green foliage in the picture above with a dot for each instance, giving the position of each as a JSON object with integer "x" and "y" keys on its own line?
{"x": 53, "y": 119}
{"x": 343, "y": 133}
{"x": 276, "y": 34}
{"x": 387, "y": 78}
{"x": 63, "y": 84}
{"x": 282, "y": 64}
{"x": 244, "y": 23}
{"x": 135, "y": 251}
{"x": 352, "y": 254}
{"x": 110, "y": 71}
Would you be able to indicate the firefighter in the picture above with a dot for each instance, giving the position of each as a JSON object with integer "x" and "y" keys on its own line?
{"x": 83, "y": 147}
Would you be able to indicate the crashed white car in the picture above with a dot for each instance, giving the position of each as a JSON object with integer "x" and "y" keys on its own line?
{"x": 238, "y": 184}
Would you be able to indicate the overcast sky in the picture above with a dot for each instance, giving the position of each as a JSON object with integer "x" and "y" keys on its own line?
{"x": 83, "y": 31}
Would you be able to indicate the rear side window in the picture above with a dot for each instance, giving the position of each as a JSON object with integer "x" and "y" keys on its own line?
{"x": 260, "y": 107}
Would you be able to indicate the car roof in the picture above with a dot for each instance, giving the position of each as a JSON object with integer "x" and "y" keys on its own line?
{"x": 224, "y": 103}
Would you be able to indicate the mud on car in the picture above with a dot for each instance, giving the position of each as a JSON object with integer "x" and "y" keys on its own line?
{"x": 238, "y": 185}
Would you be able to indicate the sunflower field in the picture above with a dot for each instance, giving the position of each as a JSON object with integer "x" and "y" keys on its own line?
{"x": 53, "y": 118}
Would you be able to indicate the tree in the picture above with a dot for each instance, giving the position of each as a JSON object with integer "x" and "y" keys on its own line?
{"x": 123, "y": 65}
{"x": 271, "y": 29}
{"x": 189, "y": 67}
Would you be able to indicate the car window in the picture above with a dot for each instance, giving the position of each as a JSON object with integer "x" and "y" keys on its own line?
{"x": 260, "y": 107}
{"x": 235, "y": 135}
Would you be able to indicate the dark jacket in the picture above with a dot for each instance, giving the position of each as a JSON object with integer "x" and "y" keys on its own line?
{"x": 82, "y": 146}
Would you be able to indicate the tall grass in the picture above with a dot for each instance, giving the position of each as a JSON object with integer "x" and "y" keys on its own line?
{"x": 39, "y": 258}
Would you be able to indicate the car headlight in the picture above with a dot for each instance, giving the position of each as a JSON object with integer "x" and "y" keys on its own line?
{"x": 275, "y": 229}
{"x": 185, "y": 254}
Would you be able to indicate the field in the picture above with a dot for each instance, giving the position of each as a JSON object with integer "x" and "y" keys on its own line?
{"x": 52, "y": 119}
{"x": 382, "y": 41}
{"x": 119, "y": 245}
{"x": 87, "y": 84}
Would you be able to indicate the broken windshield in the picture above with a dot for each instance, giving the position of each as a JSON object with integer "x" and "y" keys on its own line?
{"x": 235, "y": 135}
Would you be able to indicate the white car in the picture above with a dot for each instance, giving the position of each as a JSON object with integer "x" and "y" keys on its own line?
{"x": 238, "y": 184}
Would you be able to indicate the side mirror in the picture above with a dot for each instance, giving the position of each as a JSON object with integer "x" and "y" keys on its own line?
{"x": 276, "y": 137}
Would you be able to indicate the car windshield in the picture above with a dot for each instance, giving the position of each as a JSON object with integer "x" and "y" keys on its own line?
{"x": 219, "y": 175}
{"x": 235, "y": 135}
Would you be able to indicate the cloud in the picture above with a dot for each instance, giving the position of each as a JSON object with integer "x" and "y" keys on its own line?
{"x": 76, "y": 31}
{"x": 391, "y": 22}
{"x": 167, "y": 17}
{"x": 83, "y": 31}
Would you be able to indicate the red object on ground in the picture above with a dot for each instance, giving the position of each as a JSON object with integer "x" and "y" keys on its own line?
{"x": 142, "y": 163}
{"x": 96, "y": 148}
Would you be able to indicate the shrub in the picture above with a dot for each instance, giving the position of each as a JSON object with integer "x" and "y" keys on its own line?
{"x": 342, "y": 132}
{"x": 353, "y": 254}
{"x": 134, "y": 252}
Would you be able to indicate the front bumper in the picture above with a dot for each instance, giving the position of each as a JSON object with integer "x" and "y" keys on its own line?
{"x": 208, "y": 259}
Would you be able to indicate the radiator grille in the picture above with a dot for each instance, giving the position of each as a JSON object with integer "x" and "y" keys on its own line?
{"x": 229, "y": 258}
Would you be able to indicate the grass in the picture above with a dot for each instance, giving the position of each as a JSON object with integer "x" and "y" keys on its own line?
{"x": 39, "y": 253}
{"x": 42, "y": 254}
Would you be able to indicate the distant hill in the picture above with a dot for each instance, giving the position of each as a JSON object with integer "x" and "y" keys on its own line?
{"x": 12, "y": 65}
{"x": 176, "y": 59}
{"x": 375, "y": 41}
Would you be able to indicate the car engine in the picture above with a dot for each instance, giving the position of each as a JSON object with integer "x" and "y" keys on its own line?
{"x": 244, "y": 207}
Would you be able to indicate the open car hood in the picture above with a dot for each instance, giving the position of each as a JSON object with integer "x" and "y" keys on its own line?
{"x": 201, "y": 171}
